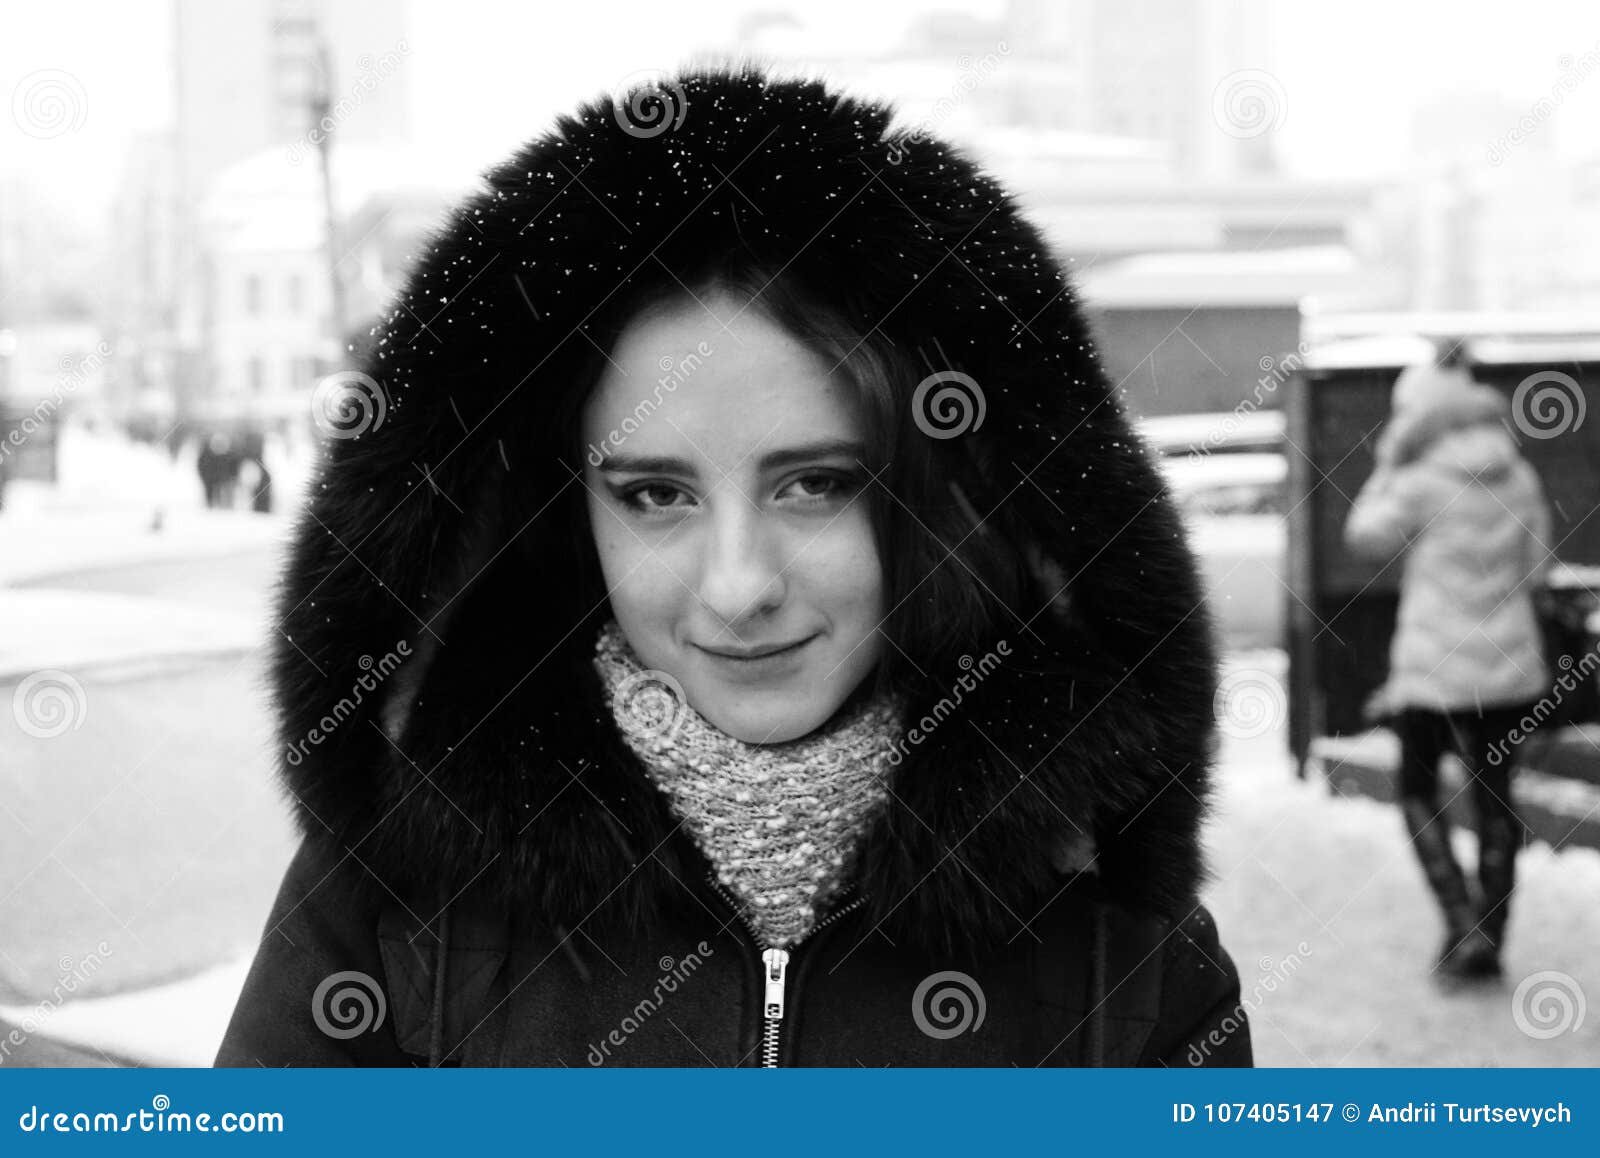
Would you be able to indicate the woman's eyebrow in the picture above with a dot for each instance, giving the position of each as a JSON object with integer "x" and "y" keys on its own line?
{"x": 667, "y": 464}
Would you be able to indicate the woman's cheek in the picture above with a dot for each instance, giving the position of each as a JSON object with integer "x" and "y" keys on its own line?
{"x": 854, "y": 572}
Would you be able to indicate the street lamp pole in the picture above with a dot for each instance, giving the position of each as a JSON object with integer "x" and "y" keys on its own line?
{"x": 322, "y": 133}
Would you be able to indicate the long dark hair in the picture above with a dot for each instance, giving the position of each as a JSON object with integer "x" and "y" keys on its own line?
{"x": 947, "y": 588}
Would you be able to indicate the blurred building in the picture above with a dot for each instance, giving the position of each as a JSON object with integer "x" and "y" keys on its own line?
{"x": 1522, "y": 236}
{"x": 223, "y": 269}
{"x": 267, "y": 287}
{"x": 1139, "y": 135}
{"x": 1211, "y": 330}
{"x": 247, "y": 70}
{"x": 143, "y": 289}
{"x": 1158, "y": 70}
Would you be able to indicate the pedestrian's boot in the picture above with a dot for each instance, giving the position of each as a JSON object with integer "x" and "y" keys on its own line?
{"x": 1466, "y": 947}
{"x": 1499, "y": 840}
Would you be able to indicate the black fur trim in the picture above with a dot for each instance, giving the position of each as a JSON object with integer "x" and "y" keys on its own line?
{"x": 489, "y": 758}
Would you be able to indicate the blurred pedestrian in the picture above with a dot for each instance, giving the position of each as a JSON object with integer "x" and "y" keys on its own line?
{"x": 258, "y": 479}
{"x": 1451, "y": 492}
{"x": 218, "y": 463}
{"x": 210, "y": 465}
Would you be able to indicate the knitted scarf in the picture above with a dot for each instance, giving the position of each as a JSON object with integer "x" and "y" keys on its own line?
{"x": 778, "y": 822}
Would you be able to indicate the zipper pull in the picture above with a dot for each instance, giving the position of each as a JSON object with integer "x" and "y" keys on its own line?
{"x": 777, "y": 968}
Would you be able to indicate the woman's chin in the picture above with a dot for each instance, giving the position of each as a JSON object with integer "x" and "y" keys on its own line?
{"x": 754, "y": 727}
{"x": 756, "y": 723}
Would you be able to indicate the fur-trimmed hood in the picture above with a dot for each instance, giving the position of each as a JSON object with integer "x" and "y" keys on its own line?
{"x": 431, "y": 591}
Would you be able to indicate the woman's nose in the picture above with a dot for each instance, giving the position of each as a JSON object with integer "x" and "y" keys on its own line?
{"x": 740, "y": 574}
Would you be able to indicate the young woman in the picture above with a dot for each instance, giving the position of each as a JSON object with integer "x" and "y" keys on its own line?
{"x": 789, "y": 656}
{"x": 1450, "y": 492}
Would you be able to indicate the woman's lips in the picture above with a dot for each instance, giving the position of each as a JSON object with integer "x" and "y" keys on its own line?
{"x": 762, "y": 664}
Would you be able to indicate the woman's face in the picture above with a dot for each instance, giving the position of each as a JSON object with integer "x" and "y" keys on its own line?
{"x": 728, "y": 508}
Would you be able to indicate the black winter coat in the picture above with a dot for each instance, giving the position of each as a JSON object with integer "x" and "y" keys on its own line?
{"x": 487, "y": 875}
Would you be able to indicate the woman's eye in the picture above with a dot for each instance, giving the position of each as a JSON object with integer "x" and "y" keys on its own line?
{"x": 811, "y": 490}
{"x": 632, "y": 499}
{"x": 836, "y": 487}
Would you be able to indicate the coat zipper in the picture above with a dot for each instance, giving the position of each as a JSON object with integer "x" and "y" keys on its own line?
{"x": 775, "y": 970}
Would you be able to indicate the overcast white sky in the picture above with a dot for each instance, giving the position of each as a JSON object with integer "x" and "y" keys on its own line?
{"x": 485, "y": 74}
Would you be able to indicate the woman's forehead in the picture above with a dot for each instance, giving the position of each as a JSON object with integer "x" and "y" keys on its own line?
{"x": 718, "y": 386}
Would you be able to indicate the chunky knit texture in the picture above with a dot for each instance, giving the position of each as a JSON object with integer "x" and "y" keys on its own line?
{"x": 779, "y": 822}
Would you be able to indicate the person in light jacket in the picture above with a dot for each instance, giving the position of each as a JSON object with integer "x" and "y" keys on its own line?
{"x": 1451, "y": 493}
{"x": 738, "y": 626}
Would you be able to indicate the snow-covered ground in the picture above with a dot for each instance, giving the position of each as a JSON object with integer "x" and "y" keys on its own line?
{"x": 119, "y": 504}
